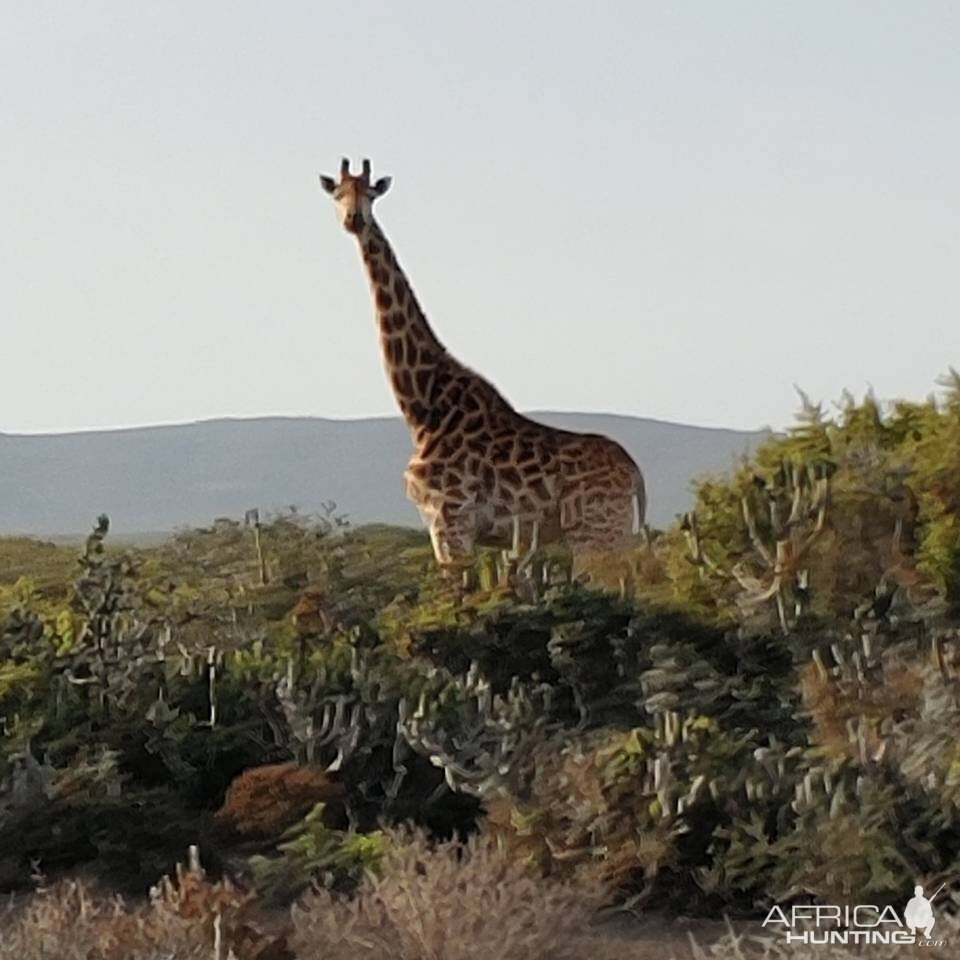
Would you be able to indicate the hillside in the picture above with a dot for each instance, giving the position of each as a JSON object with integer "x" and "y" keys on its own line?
{"x": 160, "y": 478}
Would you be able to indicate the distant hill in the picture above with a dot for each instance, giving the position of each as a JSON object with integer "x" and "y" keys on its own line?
{"x": 159, "y": 478}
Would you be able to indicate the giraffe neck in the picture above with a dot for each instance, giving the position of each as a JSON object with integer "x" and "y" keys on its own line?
{"x": 412, "y": 353}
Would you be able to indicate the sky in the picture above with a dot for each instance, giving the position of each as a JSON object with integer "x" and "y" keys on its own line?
{"x": 670, "y": 210}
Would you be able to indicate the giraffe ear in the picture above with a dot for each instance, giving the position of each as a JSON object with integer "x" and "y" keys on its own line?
{"x": 382, "y": 186}
{"x": 328, "y": 183}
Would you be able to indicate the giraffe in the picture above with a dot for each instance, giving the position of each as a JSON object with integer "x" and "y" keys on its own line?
{"x": 482, "y": 474}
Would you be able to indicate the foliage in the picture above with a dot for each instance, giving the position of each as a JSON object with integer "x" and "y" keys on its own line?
{"x": 313, "y": 852}
{"x": 768, "y": 707}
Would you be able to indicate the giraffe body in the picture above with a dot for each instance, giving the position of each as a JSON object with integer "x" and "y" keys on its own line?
{"x": 480, "y": 488}
{"x": 482, "y": 474}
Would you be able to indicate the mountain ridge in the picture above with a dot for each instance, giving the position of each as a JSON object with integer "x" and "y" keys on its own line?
{"x": 165, "y": 476}
{"x": 282, "y": 417}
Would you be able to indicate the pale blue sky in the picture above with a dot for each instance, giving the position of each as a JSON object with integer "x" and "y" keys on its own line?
{"x": 674, "y": 210}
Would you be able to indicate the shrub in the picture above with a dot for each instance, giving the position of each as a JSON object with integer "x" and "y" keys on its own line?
{"x": 265, "y": 801}
{"x": 187, "y": 918}
{"x": 449, "y": 901}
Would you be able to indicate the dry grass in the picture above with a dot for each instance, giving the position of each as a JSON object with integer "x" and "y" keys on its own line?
{"x": 68, "y": 923}
{"x": 186, "y": 918}
{"x": 446, "y": 902}
{"x": 434, "y": 902}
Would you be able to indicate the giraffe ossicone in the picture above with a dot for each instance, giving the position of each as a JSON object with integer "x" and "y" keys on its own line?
{"x": 482, "y": 474}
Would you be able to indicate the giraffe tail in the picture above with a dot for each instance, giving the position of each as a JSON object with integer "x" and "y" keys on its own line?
{"x": 640, "y": 504}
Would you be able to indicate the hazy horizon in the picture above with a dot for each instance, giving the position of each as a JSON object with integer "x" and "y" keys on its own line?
{"x": 350, "y": 419}
{"x": 184, "y": 475}
{"x": 671, "y": 212}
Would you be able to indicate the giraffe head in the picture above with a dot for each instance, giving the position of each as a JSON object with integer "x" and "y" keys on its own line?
{"x": 355, "y": 195}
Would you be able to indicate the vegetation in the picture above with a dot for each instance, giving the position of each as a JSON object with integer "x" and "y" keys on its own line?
{"x": 758, "y": 705}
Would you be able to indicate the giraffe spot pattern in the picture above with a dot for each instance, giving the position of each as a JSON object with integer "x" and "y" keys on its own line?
{"x": 402, "y": 382}
{"x": 423, "y": 382}
{"x": 509, "y": 476}
{"x": 479, "y": 464}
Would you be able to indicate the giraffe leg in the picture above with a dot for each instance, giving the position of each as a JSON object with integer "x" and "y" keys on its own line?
{"x": 508, "y": 556}
{"x": 520, "y": 552}
{"x": 452, "y": 537}
{"x": 529, "y": 580}
{"x": 527, "y": 558}
{"x": 517, "y": 560}
{"x": 511, "y": 556}
{"x": 598, "y": 531}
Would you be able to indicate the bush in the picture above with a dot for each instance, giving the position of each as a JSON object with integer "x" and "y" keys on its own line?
{"x": 449, "y": 901}
{"x": 186, "y": 918}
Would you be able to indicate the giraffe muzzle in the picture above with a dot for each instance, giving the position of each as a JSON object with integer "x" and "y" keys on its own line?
{"x": 354, "y": 223}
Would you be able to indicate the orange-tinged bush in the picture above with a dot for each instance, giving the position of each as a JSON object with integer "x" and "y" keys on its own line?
{"x": 263, "y": 801}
